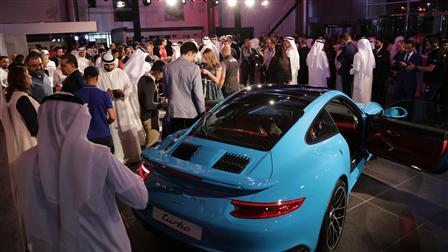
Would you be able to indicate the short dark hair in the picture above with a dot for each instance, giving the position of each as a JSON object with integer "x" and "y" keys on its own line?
{"x": 3, "y": 57}
{"x": 381, "y": 39}
{"x": 19, "y": 59}
{"x": 187, "y": 47}
{"x": 71, "y": 59}
{"x": 32, "y": 56}
{"x": 410, "y": 42}
{"x": 158, "y": 66}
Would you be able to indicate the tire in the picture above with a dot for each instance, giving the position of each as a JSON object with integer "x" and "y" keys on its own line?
{"x": 334, "y": 218}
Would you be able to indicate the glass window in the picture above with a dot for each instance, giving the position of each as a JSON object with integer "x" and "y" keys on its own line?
{"x": 323, "y": 127}
{"x": 253, "y": 120}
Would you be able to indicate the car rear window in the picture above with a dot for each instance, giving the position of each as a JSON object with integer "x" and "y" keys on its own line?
{"x": 255, "y": 121}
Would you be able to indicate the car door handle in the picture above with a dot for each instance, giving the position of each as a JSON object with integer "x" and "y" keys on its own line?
{"x": 393, "y": 133}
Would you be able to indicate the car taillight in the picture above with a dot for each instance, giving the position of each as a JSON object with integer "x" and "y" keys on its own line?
{"x": 251, "y": 210}
{"x": 144, "y": 171}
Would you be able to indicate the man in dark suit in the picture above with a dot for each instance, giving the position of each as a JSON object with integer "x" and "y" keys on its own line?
{"x": 302, "y": 77}
{"x": 406, "y": 84}
{"x": 381, "y": 71}
{"x": 74, "y": 80}
{"x": 248, "y": 62}
{"x": 346, "y": 59}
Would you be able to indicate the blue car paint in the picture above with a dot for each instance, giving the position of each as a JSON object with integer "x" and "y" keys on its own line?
{"x": 293, "y": 169}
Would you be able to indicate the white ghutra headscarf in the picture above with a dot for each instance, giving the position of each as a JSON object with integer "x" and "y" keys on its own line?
{"x": 318, "y": 66}
{"x": 294, "y": 57}
{"x": 367, "y": 58}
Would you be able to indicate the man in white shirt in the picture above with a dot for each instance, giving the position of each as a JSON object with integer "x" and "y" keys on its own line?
{"x": 68, "y": 187}
{"x": 294, "y": 57}
{"x": 83, "y": 62}
{"x": 127, "y": 130}
{"x": 4, "y": 64}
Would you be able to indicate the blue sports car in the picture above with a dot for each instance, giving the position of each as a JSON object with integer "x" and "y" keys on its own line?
{"x": 271, "y": 167}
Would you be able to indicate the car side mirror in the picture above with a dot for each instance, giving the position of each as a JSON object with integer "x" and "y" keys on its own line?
{"x": 395, "y": 113}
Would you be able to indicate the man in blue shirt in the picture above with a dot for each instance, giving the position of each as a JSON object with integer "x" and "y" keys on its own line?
{"x": 100, "y": 108}
{"x": 41, "y": 86}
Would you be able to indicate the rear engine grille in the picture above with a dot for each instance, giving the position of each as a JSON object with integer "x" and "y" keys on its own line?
{"x": 185, "y": 151}
{"x": 231, "y": 162}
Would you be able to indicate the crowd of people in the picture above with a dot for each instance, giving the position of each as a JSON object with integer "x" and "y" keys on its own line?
{"x": 86, "y": 112}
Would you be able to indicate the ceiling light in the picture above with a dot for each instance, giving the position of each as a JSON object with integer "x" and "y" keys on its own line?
{"x": 121, "y": 4}
{"x": 264, "y": 3}
{"x": 232, "y": 3}
{"x": 171, "y": 2}
{"x": 249, "y": 3}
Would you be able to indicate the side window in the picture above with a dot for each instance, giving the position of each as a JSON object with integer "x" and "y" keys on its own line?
{"x": 322, "y": 128}
{"x": 343, "y": 115}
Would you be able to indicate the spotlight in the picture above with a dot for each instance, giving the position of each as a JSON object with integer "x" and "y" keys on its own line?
{"x": 171, "y": 3}
{"x": 121, "y": 4}
{"x": 216, "y": 2}
{"x": 76, "y": 38}
{"x": 86, "y": 37}
{"x": 183, "y": 1}
{"x": 264, "y": 3}
{"x": 249, "y": 3}
{"x": 232, "y": 3}
{"x": 146, "y": 2}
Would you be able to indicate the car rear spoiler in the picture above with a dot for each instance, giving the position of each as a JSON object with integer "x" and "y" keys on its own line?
{"x": 166, "y": 164}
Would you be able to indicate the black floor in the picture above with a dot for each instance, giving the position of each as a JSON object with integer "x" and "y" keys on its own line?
{"x": 392, "y": 208}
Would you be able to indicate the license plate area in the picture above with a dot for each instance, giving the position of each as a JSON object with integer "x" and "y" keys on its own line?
{"x": 177, "y": 223}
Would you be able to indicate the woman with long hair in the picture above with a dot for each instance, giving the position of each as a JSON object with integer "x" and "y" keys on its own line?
{"x": 22, "y": 126}
{"x": 211, "y": 74}
{"x": 279, "y": 70}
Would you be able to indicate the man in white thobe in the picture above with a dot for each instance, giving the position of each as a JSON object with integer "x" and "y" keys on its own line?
{"x": 4, "y": 64}
{"x": 293, "y": 55}
{"x": 363, "y": 65}
{"x": 82, "y": 61}
{"x": 48, "y": 65}
{"x": 176, "y": 51}
{"x": 69, "y": 197}
{"x": 207, "y": 43}
{"x": 135, "y": 68}
{"x": 318, "y": 66}
{"x": 125, "y": 130}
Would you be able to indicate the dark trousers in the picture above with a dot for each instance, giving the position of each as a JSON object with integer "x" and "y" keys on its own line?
{"x": 106, "y": 141}
{"x": 347, "y": 80}
{"x": 247, "y": 73}
{"x": 379, "y": 90}
{"x": 405, "y": 90}
{"x": 433, "y": 92}
{"x": 180, "y": 123}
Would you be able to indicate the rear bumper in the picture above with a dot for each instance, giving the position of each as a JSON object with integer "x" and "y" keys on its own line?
{"x": 230, "y": 234}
